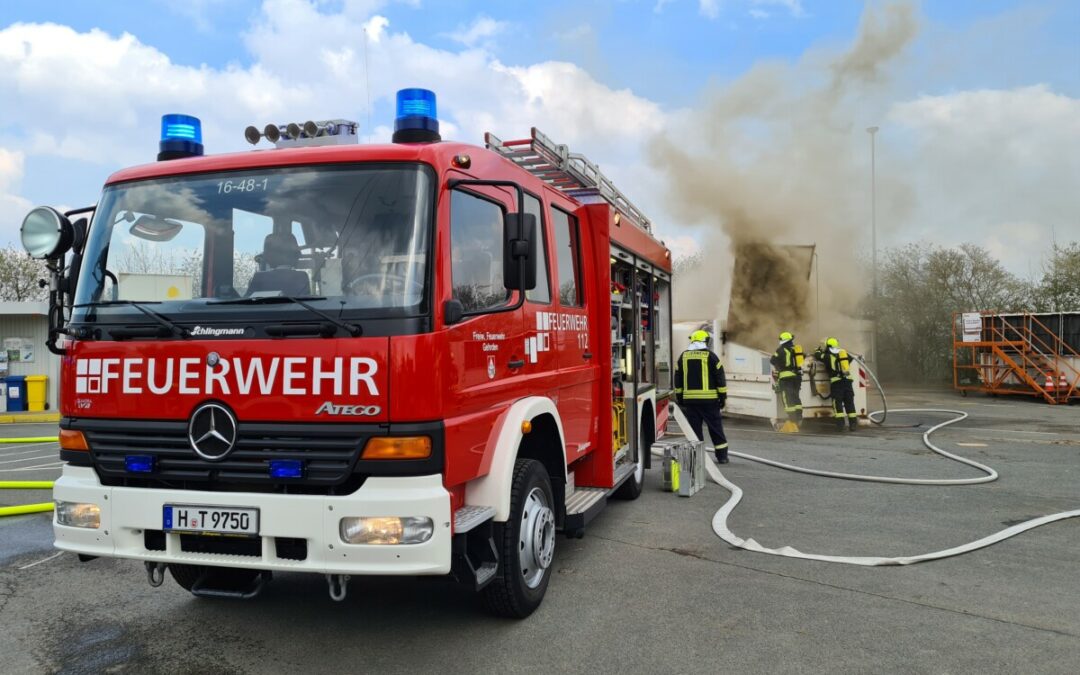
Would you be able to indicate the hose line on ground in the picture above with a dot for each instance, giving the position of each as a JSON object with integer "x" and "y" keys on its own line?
{"x": 720, "y": 524}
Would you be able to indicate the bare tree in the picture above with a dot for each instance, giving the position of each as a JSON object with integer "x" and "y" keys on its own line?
{"x": 19, "y": 276}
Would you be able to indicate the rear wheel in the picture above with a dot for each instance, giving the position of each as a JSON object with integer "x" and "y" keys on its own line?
{"x": 632, "y": 487}
{"x": 526, "y": 544}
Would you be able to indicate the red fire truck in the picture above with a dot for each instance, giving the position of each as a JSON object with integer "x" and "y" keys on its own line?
{"x": 417, "y": 358}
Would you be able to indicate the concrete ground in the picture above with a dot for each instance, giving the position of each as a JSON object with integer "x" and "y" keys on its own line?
{"x": 650, "y": 588}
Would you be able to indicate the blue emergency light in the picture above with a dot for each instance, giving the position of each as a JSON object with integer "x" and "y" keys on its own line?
{"x": 139, "y": 463}
{"x": 417, "y": 117}
{"x": 181, "y": 136}
{"x": 286, "y": 468}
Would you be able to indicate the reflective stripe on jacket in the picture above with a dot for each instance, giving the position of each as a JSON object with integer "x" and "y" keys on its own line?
{"x": 699, "y": 375}
{"x": 783, "y": 361}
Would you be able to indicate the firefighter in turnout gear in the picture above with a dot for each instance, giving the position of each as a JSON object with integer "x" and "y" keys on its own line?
{"x": 787, "y": 362}
{"x": 842, "y": 390}
{"x": 701, "y": 390}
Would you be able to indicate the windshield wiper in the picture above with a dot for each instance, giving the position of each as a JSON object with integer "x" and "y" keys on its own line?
{"x": 160, "y": 318}
{"x": 350, "y": 328}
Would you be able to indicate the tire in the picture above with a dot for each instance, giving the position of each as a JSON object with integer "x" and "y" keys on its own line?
{"x": 221, "y": 577}
{"x": 632, "y": 487}
{"x": 524, "y": 562}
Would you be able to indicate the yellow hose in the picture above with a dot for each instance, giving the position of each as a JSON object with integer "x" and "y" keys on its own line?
{"x": 25, "y": 484}
{"x": 21, "y": 509}
{"x": 25, "y": 508}
{"x": 30, "y": 439}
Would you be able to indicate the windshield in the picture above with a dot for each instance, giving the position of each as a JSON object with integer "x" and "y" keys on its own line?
{"x": 349, "y": 238}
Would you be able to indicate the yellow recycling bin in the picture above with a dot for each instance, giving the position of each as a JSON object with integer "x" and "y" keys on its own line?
{"x": 36, "y": 388}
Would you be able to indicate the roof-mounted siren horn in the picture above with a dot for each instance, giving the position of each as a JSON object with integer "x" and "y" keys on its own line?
{"x": 181, "y": 136}
{"x": 313, "y": 129}
{"x": 417, "y": 118}
{"x": 293, "y": 130}
{"x": 272, "y": 133}
{"x": 252, "y": 135}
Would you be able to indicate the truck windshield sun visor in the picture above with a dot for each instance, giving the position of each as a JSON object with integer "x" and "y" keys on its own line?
{"x": 277, "y": 245}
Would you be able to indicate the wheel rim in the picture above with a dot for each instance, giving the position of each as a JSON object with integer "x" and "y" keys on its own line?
{"x": 536, "y": 540}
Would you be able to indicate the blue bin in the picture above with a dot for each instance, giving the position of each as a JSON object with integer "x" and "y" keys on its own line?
{"x": 16, "y": 393}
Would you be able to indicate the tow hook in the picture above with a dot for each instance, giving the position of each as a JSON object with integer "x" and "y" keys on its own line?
{"x": 338, "y": 586}
{"x": 155, "y": 573}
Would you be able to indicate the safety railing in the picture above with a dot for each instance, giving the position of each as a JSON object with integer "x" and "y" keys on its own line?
{"x": 1015, "y": 354}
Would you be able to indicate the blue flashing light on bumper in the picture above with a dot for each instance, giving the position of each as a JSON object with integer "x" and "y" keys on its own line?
{"x": 139, "y": 463}
{"x": 286, "y": 468}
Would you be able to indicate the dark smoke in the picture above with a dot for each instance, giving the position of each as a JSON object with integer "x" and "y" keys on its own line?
{"x": 778, "y": 158}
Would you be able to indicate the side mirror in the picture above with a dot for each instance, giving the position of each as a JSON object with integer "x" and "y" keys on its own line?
{"x": 46, "y": 233}
{"x": 453, "y": 311}
{"x": 519, "y": 246}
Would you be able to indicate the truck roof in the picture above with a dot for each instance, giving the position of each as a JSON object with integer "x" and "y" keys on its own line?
{"x": 484, "y": 162}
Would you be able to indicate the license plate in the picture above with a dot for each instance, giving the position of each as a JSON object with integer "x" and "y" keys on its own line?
{"x": 210, "y": 519}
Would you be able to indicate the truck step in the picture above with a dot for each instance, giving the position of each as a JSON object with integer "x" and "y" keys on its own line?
{"x": 583, "y": 499}
{"x": 469, "y": 517}
{"x": 623, "y": 472}
{"x": 485, "y": 574}
{"x": 581, "y": 507}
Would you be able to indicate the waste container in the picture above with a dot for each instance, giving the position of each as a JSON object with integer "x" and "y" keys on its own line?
{"x": 36, "y": 388}
{"x": 16, "y": 393}
{"x": 3, "y": 395}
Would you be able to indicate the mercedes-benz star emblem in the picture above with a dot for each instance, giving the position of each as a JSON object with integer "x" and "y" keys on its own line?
{"x": 212, "y": 431}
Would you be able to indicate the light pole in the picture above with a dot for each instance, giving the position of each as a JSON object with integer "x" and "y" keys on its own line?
{"x": 873, "y": 212}
{"x": 873, "y": 242}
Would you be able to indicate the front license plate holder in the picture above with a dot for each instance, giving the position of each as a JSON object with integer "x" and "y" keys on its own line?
{"x": 226, "y": 521}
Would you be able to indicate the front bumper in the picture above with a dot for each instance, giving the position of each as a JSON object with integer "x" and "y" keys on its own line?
{"x": 126, "y": 513}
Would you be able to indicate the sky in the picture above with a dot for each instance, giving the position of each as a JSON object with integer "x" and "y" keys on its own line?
{"x": 977, "y": 102}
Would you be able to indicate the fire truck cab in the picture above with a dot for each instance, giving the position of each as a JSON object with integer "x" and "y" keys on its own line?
{"x": 418, "y": 358}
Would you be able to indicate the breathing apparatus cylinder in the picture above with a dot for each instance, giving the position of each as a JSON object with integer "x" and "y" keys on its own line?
{"x": 799, "y": 357}
{"x": 845, "y": 362}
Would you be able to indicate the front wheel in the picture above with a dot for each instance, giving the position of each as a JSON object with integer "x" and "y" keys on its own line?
{"x": 526, "y": 544}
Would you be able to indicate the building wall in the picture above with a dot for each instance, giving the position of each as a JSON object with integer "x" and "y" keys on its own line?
{"x": 36, "y": 328}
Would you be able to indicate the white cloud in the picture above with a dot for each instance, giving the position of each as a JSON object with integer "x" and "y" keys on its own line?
{"x": 12, "y": 206}
{"x": 480, "y": 32}
{"x": 998, "y": 167}
{"x": 709, "y": 8}
{"x": 794, "y": 7}
{"x": 308, "y": 63}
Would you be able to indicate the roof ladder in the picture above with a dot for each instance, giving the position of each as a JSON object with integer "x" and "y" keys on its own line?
{"x": 566, "y": 171}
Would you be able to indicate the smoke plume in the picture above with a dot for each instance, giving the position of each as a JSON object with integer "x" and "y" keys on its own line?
{"x": 771, "y": 164}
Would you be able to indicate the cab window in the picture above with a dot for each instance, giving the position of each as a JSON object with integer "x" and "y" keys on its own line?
{"x": 542, "y": 292}
{"x": 476, "y": 252}
{"x": 568, "y": 257}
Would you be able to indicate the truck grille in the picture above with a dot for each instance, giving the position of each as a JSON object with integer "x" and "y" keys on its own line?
{"x": 329, "y": 453}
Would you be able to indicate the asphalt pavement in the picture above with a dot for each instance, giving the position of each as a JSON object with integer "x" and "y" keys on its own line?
{"x": 650, "y": 588}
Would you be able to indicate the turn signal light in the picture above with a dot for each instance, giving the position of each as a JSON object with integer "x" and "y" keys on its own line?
{"x": 398, "y": 447}
{"x": 73, "y": 440}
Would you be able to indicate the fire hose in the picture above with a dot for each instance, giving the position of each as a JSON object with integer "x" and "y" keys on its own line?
{"x": 22, "y": 509}
{"x": 720, "y": 518}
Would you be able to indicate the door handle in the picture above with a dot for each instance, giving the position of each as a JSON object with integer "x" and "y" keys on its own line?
{"x": 516, "y": 363}
{"x": 587, "y": 355}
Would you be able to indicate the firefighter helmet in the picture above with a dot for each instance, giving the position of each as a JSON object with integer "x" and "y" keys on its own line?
{"x": 786, "y": 336}
{"x": 699, "y": 336}
{"x": 832, "y": 342}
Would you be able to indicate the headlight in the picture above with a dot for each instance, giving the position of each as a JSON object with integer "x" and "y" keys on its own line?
{"x": 386, "y": 530}
{"x": 74, "y": 514}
